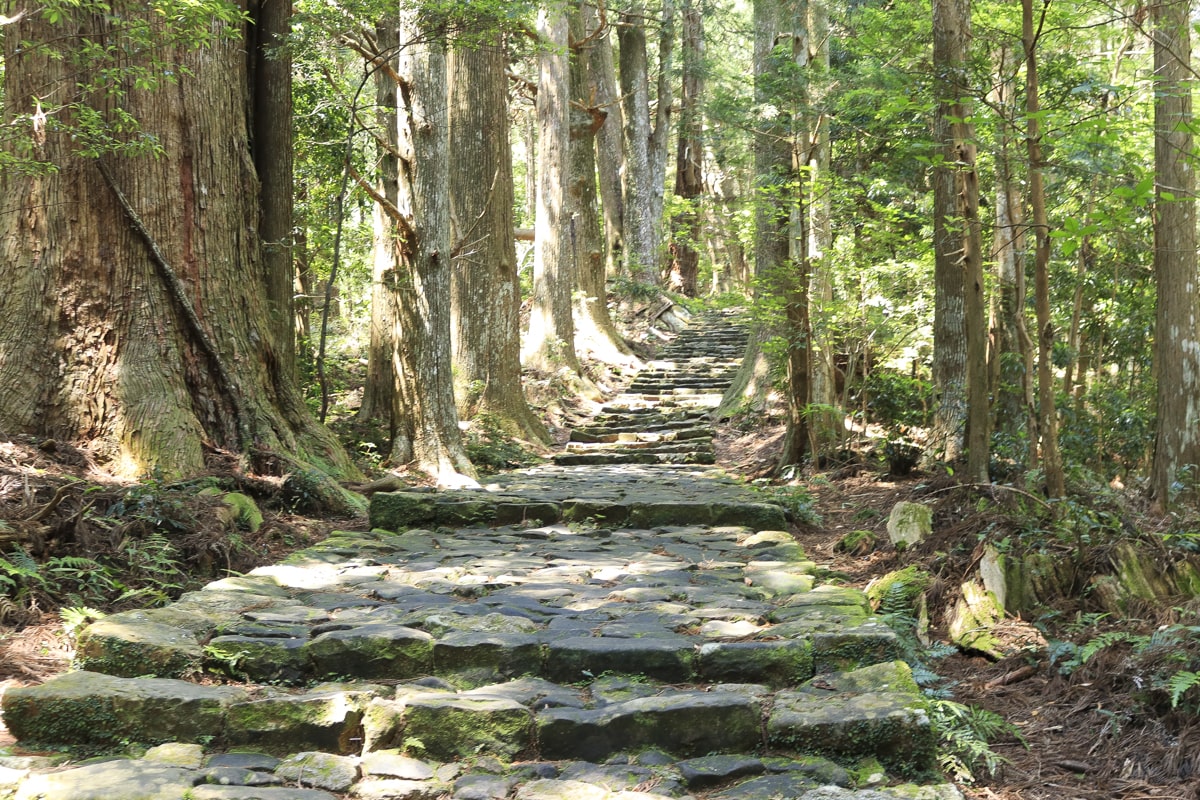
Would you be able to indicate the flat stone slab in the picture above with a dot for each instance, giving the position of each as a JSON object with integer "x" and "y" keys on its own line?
{"x": 683, "y": 723}
{"x": 95, "y": 709}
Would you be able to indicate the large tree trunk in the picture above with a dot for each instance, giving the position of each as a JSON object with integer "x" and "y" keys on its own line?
{"x": 418, "y": 288}
{"x": 772, "y": 170}
{"x": 645, "y": 141}
{"x": 1177, "y": 349}
{"x": 689, "y": 158}
{"x": 134, "y": 320}
{"x": 960, "y": 354}
{"x": 1051, "y": 460}
{"x": 610, "y": 156}
{"x": 378, "y": 403}
{"x": 271, "y": 135}
{"x": 595, "y": 332}
{"x": 486, "y": 296}
{"x": 550, "y": 342}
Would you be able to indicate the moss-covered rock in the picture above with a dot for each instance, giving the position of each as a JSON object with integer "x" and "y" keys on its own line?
{"x": 781, "y": 662}
{"x": 394, "y": 511}
{"x": 846, "y": 727}
{"x": 324, "y": 718}
{"x": 972, "y": 620}
{"x": 87, "y": 708}
{"x": 378, "y": 650}
{"x": 899, "y": 590}
{"x": 132, "y": 644}
{"x": 909, "y": 523}
{"x": 856, "y": 543}
{"x": 452, "y": 727}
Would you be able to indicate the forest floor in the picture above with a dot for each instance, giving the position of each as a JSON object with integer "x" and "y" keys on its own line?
{"x": 1086, "y": 735}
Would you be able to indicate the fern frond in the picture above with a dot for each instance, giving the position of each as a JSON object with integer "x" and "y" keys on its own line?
{"x": 1180, "y": 682}
{"x": 1108, "y": 639}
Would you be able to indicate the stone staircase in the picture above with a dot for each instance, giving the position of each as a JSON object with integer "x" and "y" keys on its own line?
{"x": 621, "y": 631}
{"x": 662, "y": 418}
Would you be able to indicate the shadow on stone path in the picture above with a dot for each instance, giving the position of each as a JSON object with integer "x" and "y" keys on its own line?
{"x": 618, "y": 630}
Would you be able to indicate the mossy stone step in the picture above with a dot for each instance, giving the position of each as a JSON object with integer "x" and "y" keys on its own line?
{"x": 875, "y": 711}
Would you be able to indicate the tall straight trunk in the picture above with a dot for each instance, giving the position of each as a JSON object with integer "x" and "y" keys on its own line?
{"x": 379, "y": 388}
{"x": 610, "y": 153}
{"x": 595, "y": 332}
{"x": 417, "y": 290}
{"x": 1051, "y": 460}
{"x": 772, "y": 172}
{"x": 1177, "y": 340}
{"x": 1010, "y": 364}
{"x": 646, "y": 130}
{"x": 134, "y": 320}
{"x": 550, "y": 343}
{"x": 825, "y": 421}
{"x": 689, "y": 157}
{"x": 960, "y": 353}
{"x": 485, "y": 295}
{"x": 271, "y": 134}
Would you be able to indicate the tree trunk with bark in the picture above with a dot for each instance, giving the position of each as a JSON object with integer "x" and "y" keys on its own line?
{"x": 610, "y": 157}
{"x": 417, "y": 287}
{"x": 960, "y": 355}
{"x": 1051, "y": 460}
{"x": 646, "y": 128}
{"x": 1177, "y": 340}
{"x": 689, "y": 157}
{"x": 1010, "y": 366}
{"x": 486, "y": 297}
{"x": 550, "y": 342}
{"x": 595, "y": 332}
{"x": 271, "y": 136}
{"x": 134, "y": 320}
{"x": 772, "y": 171}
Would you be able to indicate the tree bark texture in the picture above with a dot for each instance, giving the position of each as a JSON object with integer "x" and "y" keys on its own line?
{"x": 271, "y": 135}
{"x": 1051, "y": 460}
{"x": 550, "y": 342}
{"x": 418, "y": 287}
{"x": 486, "y": 298}
{"x": 645, "y": 144}
{"x": 379, "y": 390}
{"x": 1010, "y": 366}
{"x": 1177, "y": 340}
{"x": 610, "y": 156}
{"x": 595, "y": 331}
{"x": 960, "y": 355}
{"x": 689, "y": 157}
{"x": 134, "y": 319}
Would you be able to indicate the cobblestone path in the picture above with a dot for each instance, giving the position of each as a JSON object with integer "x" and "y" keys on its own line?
{"x": 624, "y": 624}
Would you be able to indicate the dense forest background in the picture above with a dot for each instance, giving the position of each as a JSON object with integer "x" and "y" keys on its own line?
{"x": 967, "y": 225}
{"x": 299, "y": 250}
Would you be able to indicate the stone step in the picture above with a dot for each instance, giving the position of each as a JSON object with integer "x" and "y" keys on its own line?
{"x": 634, "y": 457}
{"x": 845, "y": 716}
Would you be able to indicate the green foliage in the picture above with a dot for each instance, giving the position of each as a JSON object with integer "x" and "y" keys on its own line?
{"x": 895, "y": 400}
{"x": 965, "y": 734}
{"x": 492, "y": 448}
{"x": 797, "y": 501}
{"x": 112, "y": 52}
{"x": 1161, "y": 667}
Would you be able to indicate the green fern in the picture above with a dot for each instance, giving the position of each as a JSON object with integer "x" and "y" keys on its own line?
{"x": 966, "y": 733}
{"x": 1108, "y": 639}
{"x": 1179, "y": 683}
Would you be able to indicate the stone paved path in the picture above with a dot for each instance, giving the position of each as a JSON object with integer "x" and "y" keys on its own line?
{"x": 625, "y": 628}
